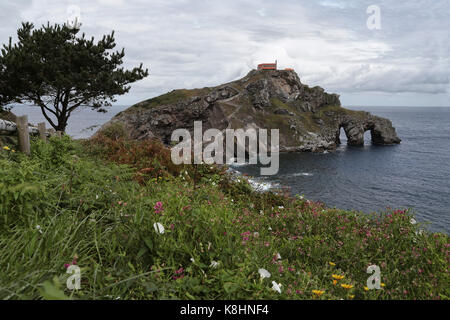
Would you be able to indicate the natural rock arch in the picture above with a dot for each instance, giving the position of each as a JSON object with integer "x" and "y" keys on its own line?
{"x": 381, "y": 130}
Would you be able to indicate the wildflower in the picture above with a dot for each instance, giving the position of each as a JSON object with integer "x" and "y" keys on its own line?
{"x": 278, "y": 256}
{"x": 264, "y": 273}
{"x": 366, "y": 288}
{"x": 383, "y": 284}
{"x": 337, "y": 277}
{"x": 179, "y": 271}
{"x": 6, "y": 148}
{"x": 38, "y": 227}
{"x": 276, "y": 286}
{"x": 318, "y": 292}
{"x": 74, "y": 262}
{"x": 413, "y": 221}
{"x": 335, "y": 282}
{"x": 214, "y": 264}
{"x": 159, "y": 228}
{"x": 192, "y": 260}
{"x": 346, "y": 286}
{"x": 332, "y": 264}
{"x": 351, "y": 296}
{"x": 158, "y": 207}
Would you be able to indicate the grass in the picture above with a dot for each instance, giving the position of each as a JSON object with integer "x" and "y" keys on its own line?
{"x": 95, "y": 204}
{"x": 171, "y": 97}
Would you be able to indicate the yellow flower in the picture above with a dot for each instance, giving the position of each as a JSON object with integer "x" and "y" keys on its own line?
{"x": 346, "y": 286}
{"x": 6, "y": 148}
{"x": 338, "y": 277}
{"x": 351, "y": 296}
{"x": 366, "y": 288}
{"x": 318, "y": 292}
{"x": 335, "y": 282}
{"x": 383, "y": 284}
{"x": 332, "y": 263}
{"x": 13, "y": 150}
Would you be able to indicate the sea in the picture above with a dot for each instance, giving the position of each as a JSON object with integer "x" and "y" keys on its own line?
{"x": 413, "y": 175}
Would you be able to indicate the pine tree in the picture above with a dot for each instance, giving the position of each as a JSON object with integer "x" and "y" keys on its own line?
{"x": 58, "y": 71}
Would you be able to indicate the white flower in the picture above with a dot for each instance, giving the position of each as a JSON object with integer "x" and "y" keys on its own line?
{"x": 213, "y": 183}
{"x": 96, "y": 196}
{"x": 419, "y": 233}
{"x": 158, "y": 228}
{"x": 214, "y": 264}
{"x": 280, "y": 207}
{"x": 270, "y": 229}
{"x": 256, "y": 234}
{"x": 276, "y": 286}
{"x": 264, "y": 273}
{"x": 38, "y": 227}
{"x": 278, "y": 256}
{"x": 192, "y": 260}
{"x": 413, "y": 221}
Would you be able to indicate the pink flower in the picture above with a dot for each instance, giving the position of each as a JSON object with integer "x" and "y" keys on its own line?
{"x": 74, "y": 262}
{"x": 158, "y": 207}
{"x": 179, "y": 271}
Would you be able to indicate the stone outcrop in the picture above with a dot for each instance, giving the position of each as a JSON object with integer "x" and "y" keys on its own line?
{"x": 309, "y": 119}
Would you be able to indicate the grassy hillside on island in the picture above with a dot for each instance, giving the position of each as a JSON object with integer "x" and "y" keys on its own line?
{"x": 100, "y": 204}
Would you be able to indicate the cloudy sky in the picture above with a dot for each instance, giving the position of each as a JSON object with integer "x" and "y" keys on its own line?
{"x": 189, "y": 44}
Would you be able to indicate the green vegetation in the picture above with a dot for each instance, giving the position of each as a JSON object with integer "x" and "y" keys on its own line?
{"x": 171, "y": 97}
{"x": 96, "y": 204}
{"x": 57, "y": 71}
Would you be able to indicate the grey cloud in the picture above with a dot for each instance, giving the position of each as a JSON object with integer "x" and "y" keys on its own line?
{"x": 204, "y": 43}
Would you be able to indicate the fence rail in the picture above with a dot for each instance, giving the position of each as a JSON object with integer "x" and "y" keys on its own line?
{"x": 11, "y": 127}
{"x": 23, "y": 131}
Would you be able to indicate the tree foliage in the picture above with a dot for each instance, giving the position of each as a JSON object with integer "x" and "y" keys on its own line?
{"x": 58, "y": 71}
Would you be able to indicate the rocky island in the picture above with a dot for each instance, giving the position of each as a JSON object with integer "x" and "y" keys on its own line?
{"x": 309, "y": 119}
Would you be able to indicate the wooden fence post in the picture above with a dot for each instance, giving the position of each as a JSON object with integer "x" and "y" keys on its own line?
{"x": 24, "y": 134}
{"x": 41, "y": 128}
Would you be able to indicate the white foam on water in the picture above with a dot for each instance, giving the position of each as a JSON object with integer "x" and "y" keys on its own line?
{"x": 260, "y": 185}
{"x": 302, "y": 174}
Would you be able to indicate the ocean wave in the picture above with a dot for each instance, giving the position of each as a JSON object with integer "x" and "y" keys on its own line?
{"x": 302, "y": 174}
{"x": 256, "y": 183}
{"x": 262, "y": 186}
